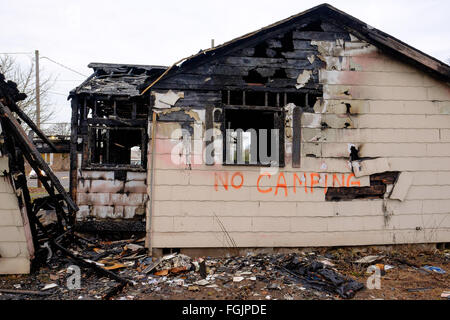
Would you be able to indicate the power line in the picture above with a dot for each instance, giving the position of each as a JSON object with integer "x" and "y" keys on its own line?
{"x": 65, "y": 67}
{"x": 16, "y": 52}
{"x": 55, "y": 122}
{"x": 59, "y": 93}
{"x": 58, "y": 63}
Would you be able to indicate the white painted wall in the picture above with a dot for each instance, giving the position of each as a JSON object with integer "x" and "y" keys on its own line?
{"x": 14, "y": 252}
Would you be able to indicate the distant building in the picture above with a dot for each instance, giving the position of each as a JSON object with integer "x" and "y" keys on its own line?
{"x": 59, "y": 160}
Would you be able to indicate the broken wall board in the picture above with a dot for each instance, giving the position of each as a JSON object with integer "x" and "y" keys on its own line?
{"x": 369, "y": 167}
{"x": 402, "y": 186}
{"x": 166, "y": 100}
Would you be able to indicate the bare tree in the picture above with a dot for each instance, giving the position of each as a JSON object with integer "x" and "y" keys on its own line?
{"x": 25, "y": 79}
{"x": 62, "y": 129}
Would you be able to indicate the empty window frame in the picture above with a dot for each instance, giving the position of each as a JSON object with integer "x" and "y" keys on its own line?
{"x": 253, "y": 128}
{"x": 117, "y": 147}
{"x": 246, "y": 109}
{"x": 253, "y": 137}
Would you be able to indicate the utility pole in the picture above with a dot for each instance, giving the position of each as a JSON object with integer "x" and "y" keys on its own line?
{"x": 38, "y": 102}
{"x": 38, "y": 93}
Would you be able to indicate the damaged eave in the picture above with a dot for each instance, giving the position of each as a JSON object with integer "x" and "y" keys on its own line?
{"x": 388, "y": 43}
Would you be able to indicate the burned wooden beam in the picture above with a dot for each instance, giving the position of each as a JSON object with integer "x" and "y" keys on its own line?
{"x": 33, "y": 155}
{"x": 31, "y": 124}
{"x": 209, "y": 125}
{"x": 73, "y": 147}
{"x": 25, "y": 292}
{"x": 297, "y": 137}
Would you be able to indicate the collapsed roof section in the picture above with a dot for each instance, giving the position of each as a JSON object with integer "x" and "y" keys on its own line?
{"x": 117, "y": 79}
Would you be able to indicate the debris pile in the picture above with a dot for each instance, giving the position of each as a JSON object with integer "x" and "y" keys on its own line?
{"x": 296, "y": 270}
{"x": 320, "y": 276}
{"x": 123, "y": 270}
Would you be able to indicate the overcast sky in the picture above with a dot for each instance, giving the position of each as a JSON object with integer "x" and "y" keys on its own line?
{"x": 75, "y": 33}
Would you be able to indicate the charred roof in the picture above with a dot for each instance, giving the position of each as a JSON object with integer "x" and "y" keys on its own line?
{"x": 305, "y": 20}
{"x": 112, "y": 79}
{"x": 132, "y": 80}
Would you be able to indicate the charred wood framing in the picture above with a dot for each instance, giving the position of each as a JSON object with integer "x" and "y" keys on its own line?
{"x": 34, "y": 158}
{"x": 92, "y": 123}
{"x": 376, "y": 190}
{"x": 104, "y": 105}
{"x": 297, "y": 137}
{"x": 31, "y": 124}
{"x": 17, "y": 146}
{"x": 209, "y": 125}
{"x": 73, "y": 150}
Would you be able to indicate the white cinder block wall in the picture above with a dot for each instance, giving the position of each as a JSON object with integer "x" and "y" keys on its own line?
{"x": 397, "y": 112}
{"x": 14, "y": 252}
{"x": 101, "y": 196}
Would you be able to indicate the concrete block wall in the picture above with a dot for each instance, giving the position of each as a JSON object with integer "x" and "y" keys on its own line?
{"x": 397, "y": 112}
{"x": 101, "y": 196}
{"x": 14, "y": 252}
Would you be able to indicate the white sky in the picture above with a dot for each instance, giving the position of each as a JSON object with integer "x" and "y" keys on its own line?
{"x": 75, "y": 33}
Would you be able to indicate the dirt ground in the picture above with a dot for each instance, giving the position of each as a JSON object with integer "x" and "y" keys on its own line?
{"x": 261, "y": 278}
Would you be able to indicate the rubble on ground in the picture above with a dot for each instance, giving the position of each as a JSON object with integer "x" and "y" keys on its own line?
{"x": 123, "y": 270}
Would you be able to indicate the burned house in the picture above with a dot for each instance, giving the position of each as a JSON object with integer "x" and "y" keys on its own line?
{"x": 361, "y": 153}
